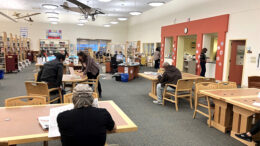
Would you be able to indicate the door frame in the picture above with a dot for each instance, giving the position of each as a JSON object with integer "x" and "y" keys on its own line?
{"x": 229, "y": 57}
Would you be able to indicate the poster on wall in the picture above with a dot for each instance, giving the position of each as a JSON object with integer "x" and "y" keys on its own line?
{"x": 53, "y": 34}
{"x": 24, "y": 32}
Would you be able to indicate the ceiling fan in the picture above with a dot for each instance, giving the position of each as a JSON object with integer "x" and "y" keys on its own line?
{"x": 83, "y": 9}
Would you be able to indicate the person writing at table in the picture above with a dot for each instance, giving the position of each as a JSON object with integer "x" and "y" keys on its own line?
{"x": 84, "y": 125}
{"x": 171, "y": 75}
{"x": 52, "y": 72}
{"x": 90, "y": 68}
{"x": 248, "y": 136}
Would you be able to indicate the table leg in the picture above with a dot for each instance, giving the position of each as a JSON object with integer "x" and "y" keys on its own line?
{"x": 153, "y": 91}
{"x": 242, "y": 122}
{"x": 222, "y": 116}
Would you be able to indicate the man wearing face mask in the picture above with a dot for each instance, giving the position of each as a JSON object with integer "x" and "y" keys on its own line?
{"x": 90, "y": 68}
{"x": 52, "y": 72}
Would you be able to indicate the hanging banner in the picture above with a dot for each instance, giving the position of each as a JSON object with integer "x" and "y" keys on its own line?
{"x": 54, "y": 34}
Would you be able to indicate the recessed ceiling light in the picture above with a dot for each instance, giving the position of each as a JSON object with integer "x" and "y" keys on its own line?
{"x": 54, "y": 22}
{"x": 156, "y": 4}
{"x": 135, "y": 13}
{"x": 50, "y": 6}
{"x": 122, "y": 19}
{"x": 53, "y": 18}
{"x": 83, "y": 20}
{"x": 105, "y": 0}
{"x": 114, "y": 22}
{"x": 52, "y": 14}
{"x": 80, "y": 24}
{"x": 107, "y": 25}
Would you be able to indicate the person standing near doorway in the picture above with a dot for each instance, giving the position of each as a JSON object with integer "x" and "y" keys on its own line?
{"x": 203, "y": 61}
{"x": 156, "y": 58}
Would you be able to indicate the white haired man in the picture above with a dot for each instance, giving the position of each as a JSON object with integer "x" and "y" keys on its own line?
{"x": 171, "y": 75}
{"x": 85, "y": 124}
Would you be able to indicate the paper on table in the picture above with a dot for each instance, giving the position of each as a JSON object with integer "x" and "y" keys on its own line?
{"x": 256, "y": 103}
{"x": 44, "y": 122}
{"x": 53, "y": 125}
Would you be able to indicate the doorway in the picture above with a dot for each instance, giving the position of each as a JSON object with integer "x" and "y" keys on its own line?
{"x": 186, "y": 52}
{"x": 236, "y": 60}
{"x": 210, "y": 41}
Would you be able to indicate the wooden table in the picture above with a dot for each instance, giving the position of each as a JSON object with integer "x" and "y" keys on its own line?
{"x": 154, "y": 80}
{"x": 223, "y": 111}
{"x": 243, "y": 116}
{"x": 20, "y": 125}
{"x": 74, "y": 80}
{"x": 76, "y": 66}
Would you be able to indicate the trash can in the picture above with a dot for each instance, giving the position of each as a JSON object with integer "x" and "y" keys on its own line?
{"x": 1, "y": 74}
{"x": 124, "y": 77}
{"x": 117, "y": 77}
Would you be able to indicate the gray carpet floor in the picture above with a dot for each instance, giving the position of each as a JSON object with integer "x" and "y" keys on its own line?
{"x": 157, "y": 125}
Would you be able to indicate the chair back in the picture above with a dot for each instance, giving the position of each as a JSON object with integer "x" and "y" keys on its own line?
{"x": 37, "y": 88}
{"x": 25, "y": 100}
{"x": 205, "y": 80}
{"x": 254, "y": 82}
{"x": 35, "y": 77}
{"x": 227, "y": 85}
{"x": 205, "y": 86}
{"x": 184, "y": 85}
{"x": 67, "y": 98}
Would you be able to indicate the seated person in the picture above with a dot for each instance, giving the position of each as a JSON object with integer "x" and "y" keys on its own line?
{"x": 84, "y": 125}
{"x": 170, "y": 76}
{"x": 248, "y": 136}
{"x": 52, "y": 72}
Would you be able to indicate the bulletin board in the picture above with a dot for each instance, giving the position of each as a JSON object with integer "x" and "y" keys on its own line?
{"x": 53, "y": 34}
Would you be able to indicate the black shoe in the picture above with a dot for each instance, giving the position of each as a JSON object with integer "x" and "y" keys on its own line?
{"x": 244, "y": 136}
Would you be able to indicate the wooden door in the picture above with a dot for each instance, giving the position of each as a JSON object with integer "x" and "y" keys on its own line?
{"x": 237, "y": 61}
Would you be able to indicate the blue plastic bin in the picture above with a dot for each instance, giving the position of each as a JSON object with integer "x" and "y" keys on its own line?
{"x": 124, "y": 77}
{"x": 1, "y": 74}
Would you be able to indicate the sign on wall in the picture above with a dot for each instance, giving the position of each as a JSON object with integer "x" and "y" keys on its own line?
{"x": 24, "y": 32}
{"x": 53, "y": 34}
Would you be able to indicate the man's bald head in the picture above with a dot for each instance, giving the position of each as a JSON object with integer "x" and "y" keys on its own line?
{"x": 165, "y": 64}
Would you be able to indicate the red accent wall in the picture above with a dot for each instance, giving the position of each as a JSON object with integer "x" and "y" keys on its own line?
{"x": 218, "y": 24}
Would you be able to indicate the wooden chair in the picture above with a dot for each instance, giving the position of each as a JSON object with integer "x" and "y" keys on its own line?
{"x": 206, "y": 80}
{"x": 35, "y": 77}
{"x": 254, "y": 82}
{"x": 4, "y": 143}
{"x": 183, "y": 89}
{"x": 95, "y": 83}
{"x": 25, "y": 100}
{"x": 227, "y": 85}
{"x": 203, "y": 86}
{"x": 68, "y": 97}
{"x": 41, "y": 89}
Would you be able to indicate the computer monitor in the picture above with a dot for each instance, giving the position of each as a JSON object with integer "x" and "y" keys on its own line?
{"x": 50, "y": 58}
{"x": 119, "y": 57}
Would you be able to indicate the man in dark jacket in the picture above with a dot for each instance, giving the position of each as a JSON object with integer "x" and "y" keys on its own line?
{"x": 52, "y": 72}
{"x": 170, "y": 76}
{"x": 203, "y": 60}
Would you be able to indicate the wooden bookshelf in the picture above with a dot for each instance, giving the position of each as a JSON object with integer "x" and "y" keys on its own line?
{"x": 54, "y": 45}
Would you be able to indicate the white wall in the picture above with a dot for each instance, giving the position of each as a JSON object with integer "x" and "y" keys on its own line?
{"x": 244, "y": 23}
{"x": 71, "y": 32}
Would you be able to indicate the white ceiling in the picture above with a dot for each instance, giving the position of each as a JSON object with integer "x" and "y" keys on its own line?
{"x": 113, "y": 9}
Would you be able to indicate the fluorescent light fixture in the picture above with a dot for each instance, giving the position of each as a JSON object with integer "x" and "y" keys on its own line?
{"x": 107, "y": 25}
{"x": 105, "y": 0}
{"x": 52, "y": 14}
{"x": 122, "y": 19}
{"x": 80, "y": 24}
{"x": 53, "y": 18}
{"x": 49, "y": 6}
{"x": 83, "y": 20}
{"x": 54, "y": 22}
{"x": 156, "y": 4}
{"x": 135, "y": 13}
{"x": 114, "y": 22}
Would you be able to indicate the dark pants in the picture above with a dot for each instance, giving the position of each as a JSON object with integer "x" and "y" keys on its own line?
{"x": 54, "y": 94}
{"x": 203, "y": 69}
{"x": 256, "y": 128}
{"x": 157, "y": 64}
{"x": 91, "y": 76}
